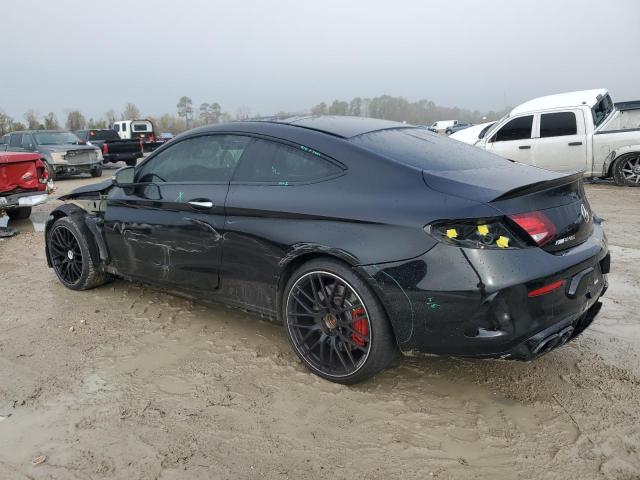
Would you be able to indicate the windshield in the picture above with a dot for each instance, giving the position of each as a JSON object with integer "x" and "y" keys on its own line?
{"x": 422, "y": 149}
{"x": 602, "y": 109}
{"x": 55, "y": 138}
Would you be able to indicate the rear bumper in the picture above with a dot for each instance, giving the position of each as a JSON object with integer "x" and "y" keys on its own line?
{"x": 121, "y": 157}
{"x": 475, "y": 303}
{"x": 26, "y": 199}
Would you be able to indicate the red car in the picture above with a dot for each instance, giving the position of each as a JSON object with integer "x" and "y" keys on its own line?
{"x": 23, "y": 183}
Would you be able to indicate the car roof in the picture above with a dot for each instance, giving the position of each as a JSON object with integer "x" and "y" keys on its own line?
{"x": 337, "y": 125}
{"x": 561, "y": 100}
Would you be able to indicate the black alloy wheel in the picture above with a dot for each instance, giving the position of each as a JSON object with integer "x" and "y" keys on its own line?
{"x": 329, "y": 324}
{"x": 66, "y": 254}
{"x": 627, "y": 171}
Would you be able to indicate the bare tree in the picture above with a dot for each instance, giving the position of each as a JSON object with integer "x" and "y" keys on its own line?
{"x": 320, "y": 109}
{"x": 51, "y": 121}
{"x": 130, "y": 112}
{"x": 75, "y": 120}
{"x": 111, "y": 116}
{"x": 31, "y": 117}
{"x": 243, "y": 112}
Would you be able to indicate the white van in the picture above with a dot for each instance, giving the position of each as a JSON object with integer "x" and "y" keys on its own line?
{"x": 441, "y": 125}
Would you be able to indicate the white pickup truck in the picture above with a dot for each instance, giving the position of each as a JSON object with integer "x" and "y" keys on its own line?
{"x": 572, "y": 131}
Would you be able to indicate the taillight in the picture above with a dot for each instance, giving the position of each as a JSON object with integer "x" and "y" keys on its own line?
{"x": 105, "y": 148}
{"x": 546, "y": 289}
{"x": 479, "y": 233}
{"x": 537, "y": 225}
{"x": 152, "y": 137}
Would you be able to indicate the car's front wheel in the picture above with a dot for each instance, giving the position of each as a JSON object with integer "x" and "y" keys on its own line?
{"x": 335, "y": 322}
{"x": 96, "y": 172}
{"x": 68, "y": 245}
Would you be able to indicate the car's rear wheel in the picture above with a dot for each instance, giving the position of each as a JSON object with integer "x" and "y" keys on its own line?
{"x": 335, "y": 323}
{"x": 70, "y": 256}
{"x": 131, "y": 163}
{"x": 626, "y": 170}
{"x": 20, "y": 213}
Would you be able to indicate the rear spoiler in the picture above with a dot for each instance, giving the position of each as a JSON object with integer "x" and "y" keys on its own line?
{"x": 541, "y": 186}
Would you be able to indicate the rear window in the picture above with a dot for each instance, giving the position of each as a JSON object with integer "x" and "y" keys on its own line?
{"x": 141, "y": 127}
{"x": 425, "y": 150}
{"x": 103, "y": 135}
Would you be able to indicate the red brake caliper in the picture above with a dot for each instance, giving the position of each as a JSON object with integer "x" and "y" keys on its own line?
{"x": 360, "y": 325}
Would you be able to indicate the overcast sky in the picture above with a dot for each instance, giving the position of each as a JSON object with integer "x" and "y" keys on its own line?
{"x": 290, "y": 55}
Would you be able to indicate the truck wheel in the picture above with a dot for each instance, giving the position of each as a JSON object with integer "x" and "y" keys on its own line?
{"x": 626, "y": 170}
{"x": 50, "y": 170}
{"x": 96, "y": 172}
{"x": 69, "y": 250}
{"x": 20, "y": 213}
{"x": 132, "y": 163}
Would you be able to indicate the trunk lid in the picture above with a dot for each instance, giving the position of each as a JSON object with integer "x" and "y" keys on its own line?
{"x": 20, "y": 172}
{"x": 549, "y": 207}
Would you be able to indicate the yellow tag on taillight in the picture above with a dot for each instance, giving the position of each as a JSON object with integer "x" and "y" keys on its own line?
{"x": 502, "y": 242}
{"x": 452, "y": 233}
{"x": 483, "y": 230}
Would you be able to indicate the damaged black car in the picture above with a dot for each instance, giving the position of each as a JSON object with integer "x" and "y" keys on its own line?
{"x": 365, "y": 238}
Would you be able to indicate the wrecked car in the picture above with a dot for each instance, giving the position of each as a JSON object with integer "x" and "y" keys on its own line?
{"x": 61, "y": 151}
{"x": 572, "y": 131}
{"x": 23, "y": 184}
{"x": 364, "y": 237}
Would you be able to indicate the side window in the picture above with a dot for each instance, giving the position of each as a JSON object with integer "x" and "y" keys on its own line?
{"x": 210, "y": 158}
{"x": 26, "y": 141}
{"x": 16, "y": 140}
{"x": 517, "y": 129}
{"x": 272, "y": 162}
{"x": 116, "y": 127}
{"x": 558, "y": 124}
{"x": 124, "y": 127}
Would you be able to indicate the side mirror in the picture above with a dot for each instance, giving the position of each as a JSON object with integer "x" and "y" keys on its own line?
{"x": 125, "y": 177}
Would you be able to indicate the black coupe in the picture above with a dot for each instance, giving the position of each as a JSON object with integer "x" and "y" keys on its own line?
{"x": 364, "y": 237}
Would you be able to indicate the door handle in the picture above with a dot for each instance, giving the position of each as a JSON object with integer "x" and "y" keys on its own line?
{"x": 574, "y": 144}
{"x": 524, "y": 147}
{"x": 201, "y": 204}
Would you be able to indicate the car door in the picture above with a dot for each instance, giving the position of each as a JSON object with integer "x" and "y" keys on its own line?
{"x": 266, "y": 207}
{"x": 513, "y": 140}
{"x": 562, "y": 142}
{"x": 167, "y": 228}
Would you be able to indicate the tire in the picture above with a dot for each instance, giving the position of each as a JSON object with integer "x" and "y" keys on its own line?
{"x": 96, "y": 172}
{"x": 20, "y": 213}
{"x": 50, "y": 170}
{"x": 335, "y": 322}
{"x": 131, "y": 163}
{"x": 626, "y": 170}
{"x": 81, "y": 271}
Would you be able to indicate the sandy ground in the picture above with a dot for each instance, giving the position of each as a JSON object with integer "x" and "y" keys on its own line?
{"x": 130, "y": 383}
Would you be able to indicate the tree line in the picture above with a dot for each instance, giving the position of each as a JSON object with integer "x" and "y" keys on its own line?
{"x": 421, "y": 112}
